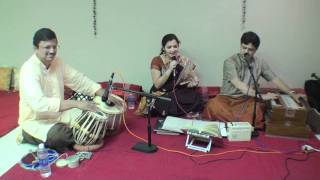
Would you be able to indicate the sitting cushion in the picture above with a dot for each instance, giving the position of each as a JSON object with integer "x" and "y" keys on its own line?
{"x": 123, "y": 94}
{"x": 5, "y": 78}
{"x": 15, "y": 79}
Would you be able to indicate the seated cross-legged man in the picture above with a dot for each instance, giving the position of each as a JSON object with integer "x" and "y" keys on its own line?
{"x": 236, "y": 99}
{"x": 44, "y": 115}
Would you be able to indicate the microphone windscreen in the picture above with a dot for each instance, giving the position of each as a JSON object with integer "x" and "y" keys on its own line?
{"x": 174, "y": 58}
{"x": 246, "y": 57}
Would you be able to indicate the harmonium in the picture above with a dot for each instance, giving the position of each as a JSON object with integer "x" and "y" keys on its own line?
{"x": 287, "y": 119}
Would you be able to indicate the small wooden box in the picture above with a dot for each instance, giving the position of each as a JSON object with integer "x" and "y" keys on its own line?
{"x": 286, "y": 121}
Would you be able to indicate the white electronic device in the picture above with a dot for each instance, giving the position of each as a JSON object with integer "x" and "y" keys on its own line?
{"x": 199, "y": 141}
{"x": 239, "y": 131}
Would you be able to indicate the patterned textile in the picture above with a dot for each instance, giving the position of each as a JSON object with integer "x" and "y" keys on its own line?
{"x": 15, "y": 79}
{"x": 81, "y": 97}
{"x": 230, "y": 109}
{"x": 5, "y": 78}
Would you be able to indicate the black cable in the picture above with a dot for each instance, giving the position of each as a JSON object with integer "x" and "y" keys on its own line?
{"x": 216, "y": 160}
{"x": 293, "y": 159}
{"x": 224, "y": 159}
{"x": 241, "y": 156}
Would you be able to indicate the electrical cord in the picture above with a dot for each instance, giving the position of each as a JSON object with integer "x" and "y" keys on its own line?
{"x": 293, "y": 159}
{"x": 309, "y": 149}
{"x": 216, "y": 160}
{"x": 187, "y": 154}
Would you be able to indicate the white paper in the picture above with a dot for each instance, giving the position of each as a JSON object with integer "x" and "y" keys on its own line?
{"x": 179, "y": 124}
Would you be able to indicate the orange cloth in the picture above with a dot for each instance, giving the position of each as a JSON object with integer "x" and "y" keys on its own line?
{"x": 232, "y": 109}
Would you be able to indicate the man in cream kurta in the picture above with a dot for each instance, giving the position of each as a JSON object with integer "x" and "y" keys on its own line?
{"x": 41, "y": 92}
{"x": 44, "y": 115}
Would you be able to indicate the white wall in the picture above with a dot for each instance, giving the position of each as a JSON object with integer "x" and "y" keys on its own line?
{"x": 130, "y": 32}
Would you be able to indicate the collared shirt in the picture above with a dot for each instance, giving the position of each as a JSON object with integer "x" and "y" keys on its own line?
{"x": 235, "y": 66}
{"x": 42, "y": 90}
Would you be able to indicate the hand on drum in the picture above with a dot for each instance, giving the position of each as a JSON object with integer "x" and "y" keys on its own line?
{"x": 88, "y": 105}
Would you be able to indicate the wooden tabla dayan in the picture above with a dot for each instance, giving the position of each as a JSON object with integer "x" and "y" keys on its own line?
{"x": 91, "y": 127}
{"x": 114, "y": 114}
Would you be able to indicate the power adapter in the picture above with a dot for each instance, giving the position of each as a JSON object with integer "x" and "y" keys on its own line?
{"x": 307, "y": 148}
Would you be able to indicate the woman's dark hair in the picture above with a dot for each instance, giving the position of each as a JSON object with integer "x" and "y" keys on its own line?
{"x": 43, "y": 34}
{"x": 167, "y": 38}
{"x": 250, "y": 37}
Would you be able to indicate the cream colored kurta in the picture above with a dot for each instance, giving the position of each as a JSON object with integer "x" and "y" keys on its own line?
{"x": 41, "y": 92}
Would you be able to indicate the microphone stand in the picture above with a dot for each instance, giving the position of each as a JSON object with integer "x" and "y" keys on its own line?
{"x": 257, "y": 94}
{"x": 142, "y": 146}
{"x": 105, "y": 96}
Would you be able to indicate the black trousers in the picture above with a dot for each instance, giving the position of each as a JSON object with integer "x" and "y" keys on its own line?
{"x": 59, "y": 138}
{"x": 312, "y": 89}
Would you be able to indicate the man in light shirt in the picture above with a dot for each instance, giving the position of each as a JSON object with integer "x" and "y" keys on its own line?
{"x": 44, "y": 114}
{"x": 236, "y": 99}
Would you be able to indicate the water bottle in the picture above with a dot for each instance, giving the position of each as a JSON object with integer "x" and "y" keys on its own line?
{"x": 131, "y": 101}
{"x": 43, "y": 160}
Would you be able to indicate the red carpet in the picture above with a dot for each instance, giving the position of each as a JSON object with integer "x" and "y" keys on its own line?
{"x": 9, "y": 102}
{"x": 117, "y": 161}
{"x": 234, "y": 160}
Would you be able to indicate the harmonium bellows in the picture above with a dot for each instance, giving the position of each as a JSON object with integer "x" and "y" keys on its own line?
{"x": 287, "y": 119}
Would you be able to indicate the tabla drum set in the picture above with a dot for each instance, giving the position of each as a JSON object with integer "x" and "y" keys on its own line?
{"x": 91, "y": 127}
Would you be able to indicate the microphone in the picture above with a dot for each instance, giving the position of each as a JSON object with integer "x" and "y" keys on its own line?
{"x": 313, "y": 75}
{"x": 247, "y": 58}
{"x": 174, "y": 58}
{"x": 105, "y": 97}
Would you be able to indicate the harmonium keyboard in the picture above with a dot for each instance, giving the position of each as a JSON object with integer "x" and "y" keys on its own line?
{"x": 287, "y": 119}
